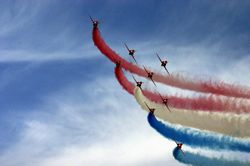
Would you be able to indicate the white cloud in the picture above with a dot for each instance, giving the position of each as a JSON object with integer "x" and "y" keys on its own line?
{"x": 138, "y": 149}
{"x": 87, "y": 51}
{"x": 91, "y": 124}
{"x": 17, "y": 14}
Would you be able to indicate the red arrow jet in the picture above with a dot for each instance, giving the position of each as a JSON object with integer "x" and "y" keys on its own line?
{"x": 138, "y": 83}
{"x": 150, "y": 75}
{"x": 164, "y": 101}
{"x": 151, "y": 110}
{"x": 163, "y": 63}
{"x": 179, "y": 146}
{"x": 131, "y": 52}
{"x": 95, "y": 22}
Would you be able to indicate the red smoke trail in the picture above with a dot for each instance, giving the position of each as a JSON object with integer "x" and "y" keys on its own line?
{"x": 206, "y": 103}
{"x": 173, "y": 80}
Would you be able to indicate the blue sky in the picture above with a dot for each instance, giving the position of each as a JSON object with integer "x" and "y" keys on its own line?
{"x": 60, "y": 103}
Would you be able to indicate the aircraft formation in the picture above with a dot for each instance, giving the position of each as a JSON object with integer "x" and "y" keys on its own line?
{"x": 213, "y": 123}
{"x": 150, "y": 75}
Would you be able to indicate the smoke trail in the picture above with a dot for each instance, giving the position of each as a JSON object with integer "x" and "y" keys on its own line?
{"x": 236, "y": 125}
{"x": 173, "y": 80}
{"x": 207, "y": 103}
{"x": 198, "y": 138}
{"x": 195, "y": 159}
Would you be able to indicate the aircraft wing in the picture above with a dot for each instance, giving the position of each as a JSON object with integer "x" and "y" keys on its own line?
{"x": 91, "y": 19}
{"x": 126, "y": 46}
{"x": 145, "y": 69}
{"x": 134, "y": 59}
{"x": 134, "y": 78}
{"x": 147, "y": 106}
{"x": 158, "y": 57}
{"x": 166, "y": 70}
{"x": 153, "y": 81}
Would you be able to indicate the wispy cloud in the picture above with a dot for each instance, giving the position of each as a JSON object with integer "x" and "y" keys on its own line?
{"x": 68, "y": 129}
{"x": 86, "y": 52}
{"x": 15, "y": 15}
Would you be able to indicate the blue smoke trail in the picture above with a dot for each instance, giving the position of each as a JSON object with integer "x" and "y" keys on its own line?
{"x": 198, "y": 138}
{"x": 199, "y": 160}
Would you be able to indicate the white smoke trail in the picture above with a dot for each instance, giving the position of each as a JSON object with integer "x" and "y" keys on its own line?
{"x": 236, "y": 125}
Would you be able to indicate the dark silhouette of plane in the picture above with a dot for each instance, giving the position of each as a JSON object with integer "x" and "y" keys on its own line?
{"x": 163, "y": 63}
{"x": 151, "y": 110}
{"x": 95, "y": 22}
{"x": 150, "y": 75}
{"x": 118, "y": 63}
{"x": 131, "y": 52}
{"x": 164, "y": 101}
{"x": 138, "y": 83}
{"x": 179, "y": 146}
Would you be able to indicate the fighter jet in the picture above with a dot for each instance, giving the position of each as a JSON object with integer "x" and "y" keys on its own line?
{"x": 150, "y": 75}
{"x": 163, "y": 63}
{"x": 131, "y": 52}
{"x": 151, "y": 110}
{"x": 164, "y": 101}
{"x": 138, "y": 83}
{"x": 179, "y": 146}
{"x": 95, "y": 22}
